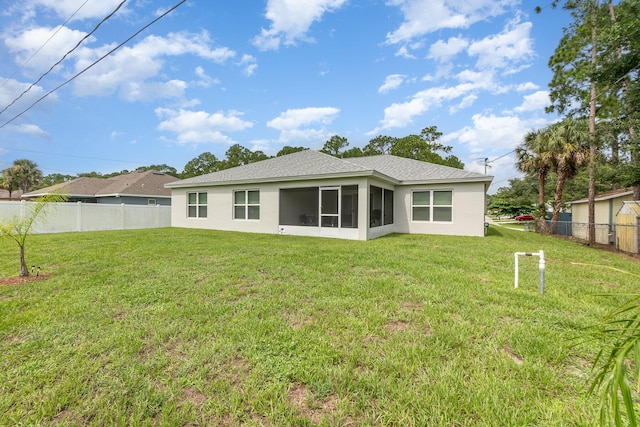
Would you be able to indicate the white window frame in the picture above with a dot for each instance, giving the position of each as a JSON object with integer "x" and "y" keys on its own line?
{"x": 431, "y": 206}
{"x": 198, "y": 204}
{"x": 246, "y": 204}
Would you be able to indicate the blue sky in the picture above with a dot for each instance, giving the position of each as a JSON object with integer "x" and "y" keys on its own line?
{"x": 266, "y": 74}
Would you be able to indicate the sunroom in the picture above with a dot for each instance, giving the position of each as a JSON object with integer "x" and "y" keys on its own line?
{"x": 334, "y": 211}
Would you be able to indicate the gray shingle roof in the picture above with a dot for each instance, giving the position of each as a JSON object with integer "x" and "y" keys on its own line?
{"x": 409, "y": 170}
{"x": 310, "y": 164}
{"x": 140, "y": 183}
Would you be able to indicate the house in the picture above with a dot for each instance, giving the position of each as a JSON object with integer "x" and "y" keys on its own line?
{"x": 134, "y": 188}
{"x": 606, "y": 205}
{"x": 628, "y": 227}
{"x": 314, "y": 194}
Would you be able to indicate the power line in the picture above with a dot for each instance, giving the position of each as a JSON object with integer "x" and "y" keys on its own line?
{"x": 504, "y": 155}
{"x": 94, "y": 63}
{"x": 72, "y": 156}
{"x": 44, "y": 44}
{"x": 64, "y": 56}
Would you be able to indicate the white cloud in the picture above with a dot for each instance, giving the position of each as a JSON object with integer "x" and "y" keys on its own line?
{"x": 302, "y": 124}
{"x": 296, "y": 118}
{"x": 422, "y": 17}
{"x": 403, "y": 52}
{"x": 399, "y": 115}
{"x": 504, "y": 50}
{"x": 25, "y": 44}
{"x": 65, "y": 8}
{"x": 132, "y": 67}
{"x": 291, "y": 20}
{"x": 536, "y": 101}
{"x": 31, "y": 130}
{"x": 204, "y": 79}
{"x": 148, "y": 91}
{"x": 249, "y": 64}
{"x": 493, "y": 136}
{"x": 10, "y": 90}
{"x": 490, "y": 133}
{"x": 392, "y": 82}
{"x": 443, "y": 51}
{"x": 526, "y": 87}
{"x": 199, "y": 127}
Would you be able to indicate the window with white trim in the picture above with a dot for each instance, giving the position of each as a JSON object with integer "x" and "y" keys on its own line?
{"x": 246, "y": 204}
{"x": 196, "y": 205}
{"x": 432, "y": 206}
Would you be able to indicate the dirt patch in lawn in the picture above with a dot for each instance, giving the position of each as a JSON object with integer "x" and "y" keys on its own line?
{"x": 312, "y": 408}
{"x": 18, "y": 280}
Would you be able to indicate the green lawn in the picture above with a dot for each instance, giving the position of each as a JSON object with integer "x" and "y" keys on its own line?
{"x": 191, "y": 327}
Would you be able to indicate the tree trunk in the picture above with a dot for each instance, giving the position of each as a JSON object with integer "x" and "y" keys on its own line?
{"x": 24, "y": 271}
{"x": 557, "y": 200}
{"x": 542, "y": 211}
{"x": 592, "y": 132}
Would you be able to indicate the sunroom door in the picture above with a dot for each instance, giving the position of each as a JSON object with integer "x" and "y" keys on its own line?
{"x": 330, "y": 207}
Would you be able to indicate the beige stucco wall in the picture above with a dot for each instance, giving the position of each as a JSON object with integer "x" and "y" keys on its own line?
{"x": 468, "y": 210}
{"x": 468, "y": 213}
{"x": 220, "y": 208}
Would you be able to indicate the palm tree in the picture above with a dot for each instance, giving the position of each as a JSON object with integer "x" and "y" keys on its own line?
{"x": 534, "y": 156}
{"x": 567, "y": 142}
{"x": 9, "y": 181}
{"x": 26, "y": 174}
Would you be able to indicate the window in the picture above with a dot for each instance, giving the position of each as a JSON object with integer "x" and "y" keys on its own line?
{"x": 151, "y": 202}
{"x": 246, "y": 204}
{"x": 197, "y": 205}
{"x": 432, "y": 206}
{"x": 380, "y": 206}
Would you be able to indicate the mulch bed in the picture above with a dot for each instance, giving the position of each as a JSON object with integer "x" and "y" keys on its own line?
{"x": 17, "y": 280}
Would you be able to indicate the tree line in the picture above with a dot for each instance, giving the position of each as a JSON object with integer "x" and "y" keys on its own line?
{"x": 595, "y": 89}
{"x": 26, "y": 176}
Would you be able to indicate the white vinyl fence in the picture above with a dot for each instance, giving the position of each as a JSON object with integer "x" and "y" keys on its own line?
{"x": 69, "y": 217}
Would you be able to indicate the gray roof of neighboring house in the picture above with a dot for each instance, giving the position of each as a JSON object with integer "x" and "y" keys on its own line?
{"x": 137, "y": 183}
{"x": 309, "y": 164}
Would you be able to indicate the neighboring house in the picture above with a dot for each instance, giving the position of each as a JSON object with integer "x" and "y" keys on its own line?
{"x": 135, "y": 188}
{"x": 314, "y": 194}
{"x": 628, "y": 227}
{"x": 606, "y": 205}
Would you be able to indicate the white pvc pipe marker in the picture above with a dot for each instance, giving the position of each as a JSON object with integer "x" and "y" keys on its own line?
{"x": 541, "y": 266}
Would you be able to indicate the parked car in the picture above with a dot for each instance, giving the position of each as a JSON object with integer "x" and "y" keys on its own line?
{"x": 525, "y": 218}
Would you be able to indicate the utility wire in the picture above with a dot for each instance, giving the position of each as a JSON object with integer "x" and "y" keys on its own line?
{"x": 64, "y": 56}
{"x": 44, "y": 44}
{"x": 93, "y": 64}
{"x": 71, "y": 155}
{"x": 504, "y": 155}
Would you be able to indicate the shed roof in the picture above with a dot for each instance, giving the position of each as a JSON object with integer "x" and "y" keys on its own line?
{"x": 310, "y": 164}
{"x": 611, "y": 194}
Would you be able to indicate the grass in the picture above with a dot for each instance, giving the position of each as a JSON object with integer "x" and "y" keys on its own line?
{"x": 194, "y": 327}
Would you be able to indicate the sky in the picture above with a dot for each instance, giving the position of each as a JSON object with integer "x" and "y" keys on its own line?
{"x": 267, "y": 74}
